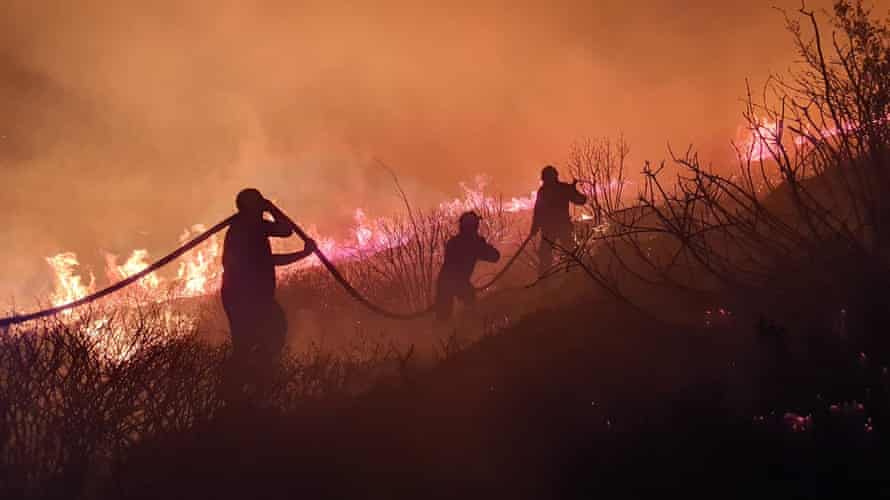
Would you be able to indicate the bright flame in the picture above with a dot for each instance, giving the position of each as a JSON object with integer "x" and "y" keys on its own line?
{"x": 134, "y": 264}
{"x": 113, "y": 344}
{"x": 474, "y": 198}
{"x": 69, "y": 285}
{"x": 363, "y": 231}
{"x": 200, "y": 267}
{"x": 767, "y": 134}
{"x": 762, "y": 138}
{"x": 199, "y": 271}
{"x": 521, "y": 204}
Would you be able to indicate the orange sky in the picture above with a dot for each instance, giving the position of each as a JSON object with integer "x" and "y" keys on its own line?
{"x": 125, "y": 124}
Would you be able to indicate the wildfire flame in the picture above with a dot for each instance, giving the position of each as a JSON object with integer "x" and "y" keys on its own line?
{"x": 200, "y": 267}
{"x": 199, "y": 271}
{"x": 69, "y": 285}
{"x": 134, "y": 264}
{"x": 521, "y": 204}
{"x": 762, "y": 139}
{"x": 364, "y": 232}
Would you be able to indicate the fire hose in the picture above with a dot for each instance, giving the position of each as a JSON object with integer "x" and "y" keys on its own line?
{"x": 16, "y": 318}
{"x": 351, "y": 290}
{"x": 509, "y": 264}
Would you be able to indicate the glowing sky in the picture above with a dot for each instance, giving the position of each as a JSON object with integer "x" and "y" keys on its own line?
{"x": 123, "y": 124}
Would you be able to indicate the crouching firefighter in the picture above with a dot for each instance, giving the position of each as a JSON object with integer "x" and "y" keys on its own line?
{"x": 256, "y": 320}
{"x": 461, "y": 254}
{"x": 551, "y": 215}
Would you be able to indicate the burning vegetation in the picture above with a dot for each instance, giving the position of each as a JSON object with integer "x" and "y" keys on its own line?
{"x": 728, "y": 324}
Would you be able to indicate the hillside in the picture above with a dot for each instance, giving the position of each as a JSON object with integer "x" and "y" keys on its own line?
{"x": 573, "y": 401}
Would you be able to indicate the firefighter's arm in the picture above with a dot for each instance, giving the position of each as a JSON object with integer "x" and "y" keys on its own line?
{"x": 488, "y": 252}
{"x": 282, "y": 226}
{"x": 284, "y": 259}
{"x": 576, "y": 196}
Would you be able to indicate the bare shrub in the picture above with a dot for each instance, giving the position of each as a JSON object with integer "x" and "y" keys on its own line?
{"x": 811, "y": 185}
{"x": 77, "y": 392}
{"x": 399, "y": 268}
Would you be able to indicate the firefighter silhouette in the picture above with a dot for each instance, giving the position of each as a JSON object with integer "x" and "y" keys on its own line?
{"x": 257, "y": 322}
{"x": 462, "y": 252}
{"x": 551, "y": 215}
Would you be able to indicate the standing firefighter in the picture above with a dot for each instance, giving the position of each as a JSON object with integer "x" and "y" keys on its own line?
{"x": 461, "y": 254}
{"x": 551, "y": 215}
{"x": 257, "y": 322}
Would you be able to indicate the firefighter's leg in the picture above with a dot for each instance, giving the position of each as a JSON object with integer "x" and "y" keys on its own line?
{"x": 472, "y": 318}
{"x": 445, "y": 295}
{"x": 269, "y": 351}
{"x": 467, "y": 296}
{"x": 545, "y": 253}
{"x": 234, "y": 377}
{"x": 428, "y": 352}
{"x": 444, "y": 306}
{"x": 566, "y": 240}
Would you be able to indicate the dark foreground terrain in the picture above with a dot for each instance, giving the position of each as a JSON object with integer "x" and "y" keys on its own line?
{"x": 578, "y": 402}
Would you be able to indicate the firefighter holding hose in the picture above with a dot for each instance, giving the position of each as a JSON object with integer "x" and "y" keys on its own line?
{"x": 257, "y": 322}
{"x": 462, "y": 252}
{"x": 551, "y": 215}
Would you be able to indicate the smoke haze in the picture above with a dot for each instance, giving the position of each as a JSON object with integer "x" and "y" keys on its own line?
{"x": 125, "y": 123}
